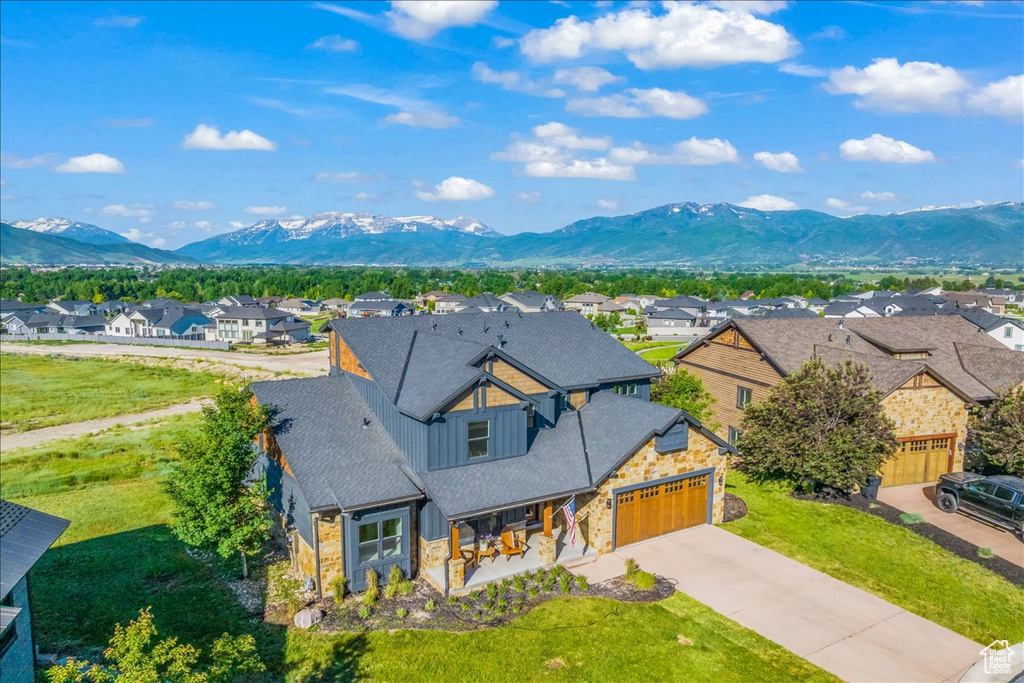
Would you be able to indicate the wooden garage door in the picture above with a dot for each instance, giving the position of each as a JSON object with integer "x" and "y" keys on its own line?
{"x": 918, "y": 461}
{"x": 660, "y": 508}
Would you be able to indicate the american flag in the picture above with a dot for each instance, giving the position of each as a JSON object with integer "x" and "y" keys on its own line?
{"x": 569, "y": 510}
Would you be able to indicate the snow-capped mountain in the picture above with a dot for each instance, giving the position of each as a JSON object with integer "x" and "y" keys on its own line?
{"x": 329, "y": 225}
{"x": 62, "y": 227}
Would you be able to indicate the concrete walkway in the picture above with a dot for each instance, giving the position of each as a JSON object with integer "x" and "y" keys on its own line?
{"x": 844, "y": 630}
{"x": 38, "y": 437}
{"x": 920, "y": 498}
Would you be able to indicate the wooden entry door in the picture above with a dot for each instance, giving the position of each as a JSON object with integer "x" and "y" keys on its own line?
{"x": 919, "y": 460}
{"x": 660, "y": 509}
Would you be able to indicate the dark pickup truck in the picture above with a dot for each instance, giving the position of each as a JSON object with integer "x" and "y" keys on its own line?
{"x": 998, "y": 499}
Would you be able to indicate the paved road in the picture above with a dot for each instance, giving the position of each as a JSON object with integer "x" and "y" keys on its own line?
{"x": 37, "y": 437}
{"x": 920, "y": 498}
{"x": 853, "y": 634}
{"x": 311, "y": 363}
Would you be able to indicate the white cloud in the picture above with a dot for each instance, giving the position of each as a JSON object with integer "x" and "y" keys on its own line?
{"x": 142, "y": 212}
{"x": 14, "y": 161}
{"x": 236, "y": 224}
{"x": 148, "y": 238}
{"x": 846, "y": 208}
{"x": 334, "y": 43}
{"x": 267, "y": 210}
{"x": 1019, "y": 164}
{"x": 751, "y": 6}
{"x": 129, "y": 123}
{"x": 640, "y": 103}
{"x": 600, "y": 169}
{"x": 118, "y": 21}
{"x": 970, "y": 204}
{"x": 457, "y": 189}
{"x": 1002, "y": 98}
{"x": 783, "y": 162}
{"x": 91, "y": 163}
{"x": 209, "y": 137}
{"x": 423, "y": 119}
{"x": 805, "y": 70}
{"x": 348, "y": 177}
{"x": 561, "y": 135}
{"x": 177, "y": 225}
{"x": 513, "y": 81}
{"x": 884, "y": 150}
{"x": 204, "y": 225}
{"x": 365, "y": 196}
{"x": 501, "y": 42}
{"x": 182, "y": 205}
{"x": 422, "y": 19}
{"x": 682, "y": 35}
{"x": 887, "y": 85}
{"x": 692, "y": 152}
{"x": 527, "y": 197}
{"x": 878, "y": 196}
{"x": 768, "y": 202}
{"x": 608, "y": 204}
{"x": 586, "y": 78}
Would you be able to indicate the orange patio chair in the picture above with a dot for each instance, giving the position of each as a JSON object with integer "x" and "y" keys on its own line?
{"x": 511, "y": 545}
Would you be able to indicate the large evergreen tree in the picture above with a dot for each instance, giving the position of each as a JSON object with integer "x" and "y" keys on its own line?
{"x": 215, "y": 503}
{"x": 822, "y": 426}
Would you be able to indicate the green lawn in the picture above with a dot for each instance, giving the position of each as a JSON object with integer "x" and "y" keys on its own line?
{"x": 662, "y": 354}
{"x": 41, "y": 391}
{"x": 636, "y": 346}
{"x": 317, "y": 322}
{"x": 892, "y": 562}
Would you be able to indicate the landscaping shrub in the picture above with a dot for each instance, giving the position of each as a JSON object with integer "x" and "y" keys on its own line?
{"x": 540, "y": 576}
{"x": 644, "y": 580}
{"x": 985, "y": 553}
{"x": 492, "y": 591}
{"x": 911, "y": 518}
{"x": 397, "y": 583}
{"x": 401, "y": 612}
{"x": 565, "y": 581}
{"x": 582, "y": 583}
{"x": 338, "y": 587}
{"x": 466, "y": 607}
{"x": 519, "y": 583}
{"x": 533, "y": 591}
{"x": 452, "y": 599}
{"x": 364, "y": 611}
{"x": 631, "y": 568}
{"x": 549, "y": 583}
{"x": 429, "y": 605}
{"x": 295, "y": 605}
{"x": 372, "y": 586}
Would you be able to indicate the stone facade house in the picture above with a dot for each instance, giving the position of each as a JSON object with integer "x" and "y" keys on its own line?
{"x": 434, "y": 436}
{"x": 585, "y": 303}
{"x": 931, "y": 371}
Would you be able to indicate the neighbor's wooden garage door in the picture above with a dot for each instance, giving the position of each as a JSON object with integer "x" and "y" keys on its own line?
{"x": 919, "y": 460}
{"x": 660, "y": 508}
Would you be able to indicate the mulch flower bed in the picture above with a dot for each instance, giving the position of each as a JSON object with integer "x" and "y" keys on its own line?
{"x": 493, "y": 605}
{"x": 954, "y": 544}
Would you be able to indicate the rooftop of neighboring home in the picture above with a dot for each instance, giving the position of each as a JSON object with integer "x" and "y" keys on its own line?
{"x": 238, "y": 300}
{"x": 373, "y": 296}
{"x": 14, "y": 306}
{"x": 610, "y": 306}
{"x": 587, "y": 298}
{"x": 968, "y": 299}
{"x": 69, "y": 306}
{"x": 297, "y": 304}
{"x": 451, "y": 298}
{"x": 336, "y": 302}
{"x": 486, "y": 300}
{"x": 530, "y": 298}
{"x": 250, "y": 313}
{"x": 267, "y": 300}
{"x": 179, "y": 320}
{"x": 376, "y": 305}
{"x": 972, "y": 362}
{"x": 161, "y": 302}
{"x": 69, "y": 320}
{"x": 681, "y": 302}
{"x": 987, "y": 321}
{"x": 671, "y": 314}
{"x": 778, "y": 313}
{"x": 25, "y": 534}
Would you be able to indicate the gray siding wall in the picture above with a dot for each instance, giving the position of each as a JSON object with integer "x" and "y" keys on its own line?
{"x": 408, "y": 434}
{"x": 449, "y": 446}
{"x": 18, "y": 663}
{"x": 355, "y": 571}
{"x": 286, "y": 497}
{"x": 433, "y": 525}
{"x": 643, "y": 388}
{"x": 675, "y": 439}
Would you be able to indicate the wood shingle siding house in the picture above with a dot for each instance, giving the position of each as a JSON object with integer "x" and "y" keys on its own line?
{"x": 585, "y": 303}
{"x": 432, "y": 433}
{"x": 25, "y": 534}
{"x": 929, "y": 370}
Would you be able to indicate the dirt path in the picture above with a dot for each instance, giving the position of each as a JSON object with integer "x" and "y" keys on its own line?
{"x": 37, "y": 437}
{"x": 312, "y": 363}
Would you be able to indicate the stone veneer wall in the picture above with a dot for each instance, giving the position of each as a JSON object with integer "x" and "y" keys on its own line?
{"x": 927, "y": 411}
{"x": 332, "y": 559}
{"x": 432, "y": 553}
{"x": 648, "y": 465}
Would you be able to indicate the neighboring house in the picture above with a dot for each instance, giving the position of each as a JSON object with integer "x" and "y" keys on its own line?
{"x": 135, "y": 323}
{"x": 531, "y": 301}
{"x": 337, "y": 305}
{"x": 423, "y": 300}
{"x": 298, "y": 306}
{"x": 483, "y": 303}
{"x": 585, "y": 303}
{"x": 268, "y": 301}
{"x": 13, "y": 306}
{"x": 851, "y": 309}
{"x": 25, "y": 534}
{"x": 243, "y": 323}
{"x": 238, "y": 300}
{"x": 670, "y": 322}
{"x": 113, "y": 307}
{"x": 162, "y": 302}
{"x": 182, "y": 323}
{"x": 1012, "y": 296}
{"x": 378, "y": 309}
{"x": 777, "y": 313}
{"x": 1007, "y": 331}
{"x": 433, "y": 431}
{"x": 373, "y": 296}
{"x": 815, "y": 304}
{"x": 71, "y": 307}
{"x": 48, "y": 323}
{"x": 284, "y": 333}
{"x": 930, "y": 371}
{"x": 448, "y": 303}
{"x": 992, "y": 304}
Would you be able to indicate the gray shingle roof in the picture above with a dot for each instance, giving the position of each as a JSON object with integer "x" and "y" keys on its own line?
{"x": 671, "y": 314}
{"x": 563, "y": 347}
{"x": 616, "y": 425}
{"x": 486, "y": 300}
{"x": 318, "y": 423}
{"x": 25, "y": 534}
{"x": 985, "y": 320}
{"x": 252, "y": 313}
{"x": 530, "y": 298}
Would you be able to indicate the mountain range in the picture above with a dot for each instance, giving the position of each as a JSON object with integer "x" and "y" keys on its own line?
{"x": 21, "y": 245}
{"x": 685, "y": 234}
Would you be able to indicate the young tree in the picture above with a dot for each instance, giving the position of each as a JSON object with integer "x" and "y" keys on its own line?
{"x": 823, "y": 425}
{"x": 686, "y": 392}
{"x": 998, "y": 432}
{"x": 135, "y": 658}
{"x": 214, "y": 502}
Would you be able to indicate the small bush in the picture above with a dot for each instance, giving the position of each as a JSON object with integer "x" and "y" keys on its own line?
{"x": 452, "y": 599}
{"x": 372, "y": 585}
{"x": 339, "y": 584}
{"x": 502, "y": 604}
{"x": 473, "y": 597}
{"x": 364, "y": 611}
{"x": 549, "y": 584}
{"x": 631, "y": 568}
{"x": 582, "y": 583}
{"x": 540, "y": 576}
{"x": 466, "y": 607}
{"x": 516, "y": 608}
{"x": 401, "y": 612}
{"x": 644, "y": 580}
{"x": 295, "y": 605}
{"x": 519, "y": 583}
{"x": 484, "y": 606}
{"x": 533, "y": 591}
{"x": 985, "y": 553}
{"x": 429, "y": 605}
{"x": 492, "y": 591}
{"x": 911, "y": 518}
{"x": 565, "y": 581}
{"x": 369, "y": 599}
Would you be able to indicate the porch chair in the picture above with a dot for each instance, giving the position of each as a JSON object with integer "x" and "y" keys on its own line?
{"x": 510, "y": 544}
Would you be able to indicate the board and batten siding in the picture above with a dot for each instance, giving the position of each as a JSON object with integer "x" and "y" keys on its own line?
{"x": 724, "y": 364}
{"x": 286, "y": 497}
{"x": 408, "y": 434}
{"x": 449, "y": 436}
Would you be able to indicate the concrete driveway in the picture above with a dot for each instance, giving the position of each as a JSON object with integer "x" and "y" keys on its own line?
{"x": 844, "y": 630}
{"x": 920, "y": 498}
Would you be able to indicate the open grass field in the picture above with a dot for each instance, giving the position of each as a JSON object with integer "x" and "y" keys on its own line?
{"x": 662, "y": 354}
{"x": 889, "y": 561}
{"x": 42, "y": 391}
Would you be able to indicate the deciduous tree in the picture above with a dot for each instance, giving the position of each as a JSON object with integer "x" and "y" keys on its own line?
{"x": 998, "y": 432}
{"x": 686, "y": 392}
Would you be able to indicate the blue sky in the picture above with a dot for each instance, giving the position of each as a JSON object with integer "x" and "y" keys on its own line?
{"x": 171, "y": 122}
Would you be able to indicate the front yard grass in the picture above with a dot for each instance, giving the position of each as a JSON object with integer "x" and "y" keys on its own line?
{"x": 662, "y": 354}
{"x": 884, "y": 559}
{"x": 42, "y": 391}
